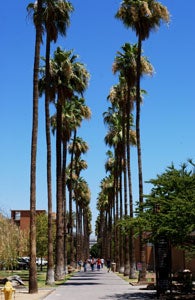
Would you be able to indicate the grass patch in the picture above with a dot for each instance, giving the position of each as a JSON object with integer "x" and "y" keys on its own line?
{"x": 126, "y": 278}
{"x": 150, "y": 277}
{"x": 24, "y": 275}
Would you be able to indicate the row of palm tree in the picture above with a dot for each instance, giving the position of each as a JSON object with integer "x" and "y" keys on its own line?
{"x": 63, "y": 80}
{"x": 142, "y": 17}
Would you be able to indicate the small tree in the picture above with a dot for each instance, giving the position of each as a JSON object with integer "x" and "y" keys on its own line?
{"x": 167, "y": 218}
{"x": 13, "y": 243}
{"x": 95, "y": 250}
{"x": 42, "y": 235}
{"x": 169, "y": 210}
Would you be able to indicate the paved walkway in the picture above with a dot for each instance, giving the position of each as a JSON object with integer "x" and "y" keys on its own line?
{"x": 99, "y": 285}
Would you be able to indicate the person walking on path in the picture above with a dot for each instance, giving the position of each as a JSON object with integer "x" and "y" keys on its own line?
{"x": 98, "y": 264}
{"x": 102, "y": 262}
{"x": 92, "y": 263}
{"x": 79, "y": 264}
{"x": 85, "y": 265}
{"x": 108, "y": 264}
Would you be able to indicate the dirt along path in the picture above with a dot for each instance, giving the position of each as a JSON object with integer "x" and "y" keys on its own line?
{"x": 23, "y": 294}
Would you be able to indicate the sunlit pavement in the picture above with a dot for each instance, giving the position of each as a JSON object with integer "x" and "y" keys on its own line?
{"x": 99, "y": 285}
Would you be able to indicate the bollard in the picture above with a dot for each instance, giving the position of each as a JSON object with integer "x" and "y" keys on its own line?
{"x": 113, "y": 267}
{"x": 8, "y": 290}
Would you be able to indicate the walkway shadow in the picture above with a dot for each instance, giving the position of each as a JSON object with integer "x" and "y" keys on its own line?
{"x": 132, "y": 296}
{"x": 76, "y": 283}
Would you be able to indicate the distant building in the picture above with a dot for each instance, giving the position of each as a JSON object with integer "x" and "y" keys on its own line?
{"x": 92, "y": 241}
{"x": 22, "y": 218}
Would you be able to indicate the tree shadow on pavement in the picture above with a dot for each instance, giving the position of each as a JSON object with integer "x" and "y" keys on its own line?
{"x": 132, "y": 296}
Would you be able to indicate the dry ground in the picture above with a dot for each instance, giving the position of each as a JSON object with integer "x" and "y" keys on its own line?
{"x": 22, "y": 294}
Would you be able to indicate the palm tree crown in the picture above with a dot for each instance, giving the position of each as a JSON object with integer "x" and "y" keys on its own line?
{"x": 142, "y": 16}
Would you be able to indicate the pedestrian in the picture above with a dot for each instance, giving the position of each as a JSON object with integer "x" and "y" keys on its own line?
{"x": 102, "y": 262}
{"x": 108, "y": 264}
{"x": 92, "y": 264}
{"x": 79, "y": 264}
{"x": 98, "y": 264}
{"x": 85, "y": 265}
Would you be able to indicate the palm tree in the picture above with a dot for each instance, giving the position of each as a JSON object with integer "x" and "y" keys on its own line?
{"x": 100, "y": 230}
{"x": 105, "y": 206}
{"x": 142, "y": 17}
{"x": 82, "y": 197}
{"x": 56, "y": 17}
{"x": 125, "y": 64}
{"x": 111, "y": 166}
{"x": 60, "y": 73}
{"x": 33, "y": 287}
{"x": 114, "y": 118}
{"x": 113, "y": 138}
{"x": 67, "y": 77}
{"x": 81, "y": 111}
{"x": 73, "y": 113}
{"x": 87, "y": 229}
{"x": 76, "y": 148}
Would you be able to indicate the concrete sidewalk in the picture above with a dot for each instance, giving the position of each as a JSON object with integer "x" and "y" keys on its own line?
{"x": 99, "y": 285}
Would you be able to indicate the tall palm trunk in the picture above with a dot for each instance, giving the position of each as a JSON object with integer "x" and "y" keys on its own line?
{"x": 106, "y": 235}
{"x": 110, "y": 226}
{"x": 85, "y": 233}
{"x": 77, "y": 230}
{"x": 33, "y": 287}
{"x": 72, "y": 258}
{"x": 139, "y": 156}
{"x": 113, "y": 224}
{"x": 79, "y": 241}
{"x": 131, "y": 239}
{"x": 64, "y": 201}
{"x": 103, "y": 235}
{"x": 126, "y": 238}
{"x": 121, "y": 239}
{"x": 78, "y": 209}
{"x": 116, "y": 195}
{"x": 59, "y": 272}
{"x": 50, "y": 267}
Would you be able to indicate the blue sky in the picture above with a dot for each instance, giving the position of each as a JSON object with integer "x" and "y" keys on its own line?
{"x": 167, "y": 115}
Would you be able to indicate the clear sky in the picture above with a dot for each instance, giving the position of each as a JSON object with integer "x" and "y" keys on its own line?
{"x": 167, "y": 114}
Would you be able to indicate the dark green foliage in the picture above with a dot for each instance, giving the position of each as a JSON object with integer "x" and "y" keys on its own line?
{"x": 169, "y": 210}
{"x": 95, "y": 250}
{"x": 41, "y": 238}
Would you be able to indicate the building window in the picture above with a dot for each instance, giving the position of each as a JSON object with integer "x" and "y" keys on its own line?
{"x": 17, "y": 215}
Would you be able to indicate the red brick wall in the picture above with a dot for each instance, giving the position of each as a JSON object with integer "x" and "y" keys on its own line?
{"x": 179, "y": 261}
{"x": 24, "y": 220}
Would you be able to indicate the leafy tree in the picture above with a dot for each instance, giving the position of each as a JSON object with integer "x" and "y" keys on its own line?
{"x": 42, "y": 235}
{"x": 95, "y": 250}
{"x": 13, "y": 243}
{"x": 169, "y": 209}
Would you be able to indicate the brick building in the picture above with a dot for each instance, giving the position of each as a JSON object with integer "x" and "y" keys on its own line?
{"x": 179, "y": 259}
{"x": 22, "y": 218}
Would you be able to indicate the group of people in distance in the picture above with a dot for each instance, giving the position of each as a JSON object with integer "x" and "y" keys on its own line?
{"x": 97, "y": 263}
